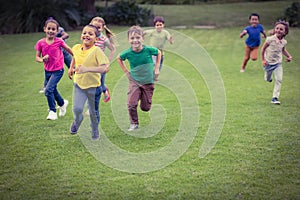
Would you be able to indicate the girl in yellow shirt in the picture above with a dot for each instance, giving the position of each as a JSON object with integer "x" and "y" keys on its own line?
{"x": 90, "y": 61}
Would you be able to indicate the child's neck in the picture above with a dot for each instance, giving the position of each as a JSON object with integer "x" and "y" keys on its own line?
{"x": 49, "y": 40}
{"x": 86, "y": 47}
{"x": 138, "y": 49}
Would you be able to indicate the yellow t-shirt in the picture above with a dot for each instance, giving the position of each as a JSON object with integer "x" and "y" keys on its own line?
{"x": 93, "y": 57}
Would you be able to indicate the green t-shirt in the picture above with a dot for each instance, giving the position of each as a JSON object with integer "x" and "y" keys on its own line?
{"x": 158, "y": 39}
{"x": 141, "y": 63}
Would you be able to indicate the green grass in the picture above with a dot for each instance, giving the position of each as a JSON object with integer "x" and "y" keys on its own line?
{"x": 256, "y": 156}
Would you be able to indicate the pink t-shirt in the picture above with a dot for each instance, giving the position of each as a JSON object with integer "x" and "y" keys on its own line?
{"x": 56, "y": 57}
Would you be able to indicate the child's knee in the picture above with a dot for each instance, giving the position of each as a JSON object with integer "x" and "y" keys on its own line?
{"x": 254, "y": 59}
{"x": 146, "y": 107}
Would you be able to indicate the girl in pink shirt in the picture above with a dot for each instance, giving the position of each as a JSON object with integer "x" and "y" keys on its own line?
{"x": 48, "y": 51}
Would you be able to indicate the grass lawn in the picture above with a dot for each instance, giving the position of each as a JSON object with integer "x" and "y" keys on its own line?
{"x": 255, "y": 156}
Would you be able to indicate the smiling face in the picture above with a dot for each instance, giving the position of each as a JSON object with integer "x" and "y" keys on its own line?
{"x": 88, "y": 36}
{"x": 51, "y": 30}
{"x": 254, "y": 20}
{"x": 136, "y": 41}
{"x": 280, "y": 31}
{"x": 159, "y": 26}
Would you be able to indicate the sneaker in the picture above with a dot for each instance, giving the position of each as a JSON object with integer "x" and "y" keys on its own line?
{"x": 133, "y": 127}
{"x": 42, "y": 90}
{"x": 242, "y": 70}
{"x": 73, "y": 129}
{"x": 63, "y": 109}
{"x": 95, "y": 135}
{"x": 275, "y": 101}
{"x": 106, "y": 96}
{"x": 52, "y": 115}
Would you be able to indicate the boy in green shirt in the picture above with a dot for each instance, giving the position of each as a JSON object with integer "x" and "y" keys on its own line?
{"x": 141, "y": 74}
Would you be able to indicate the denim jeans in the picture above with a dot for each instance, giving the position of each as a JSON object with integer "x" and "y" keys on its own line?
{"x": 51, "y": 92}
{"x": 67, "y": 58}
{"x": 92, "y": 95}
{"x": 103, "y": 87}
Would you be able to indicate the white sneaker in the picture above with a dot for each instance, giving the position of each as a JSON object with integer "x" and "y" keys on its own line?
{"x": 63, "y": 109}
{"x": 52, "y": 115}
{"x": 42, "y": 90}
{"x": 133, "y": 127}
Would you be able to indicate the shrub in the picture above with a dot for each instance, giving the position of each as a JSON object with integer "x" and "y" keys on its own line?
{"x": 292, "y": 14}
{"x": 29, "y": 15}
{"x": 127, "y": 13}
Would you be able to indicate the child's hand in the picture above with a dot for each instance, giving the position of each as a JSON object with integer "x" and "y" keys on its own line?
{"x": 45, "y": 58}
{"x": 264, "y": 63}
{"x": 289, "y": 59}
{"x": 71, "y": 72}
{"x": 80, "y": 69}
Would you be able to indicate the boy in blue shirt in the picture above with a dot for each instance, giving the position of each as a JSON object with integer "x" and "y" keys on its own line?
{"x": 253, "y": 40}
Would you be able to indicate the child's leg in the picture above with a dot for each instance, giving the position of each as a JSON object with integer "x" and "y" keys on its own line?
{"x": 103, "y": 87}
{"x": 67, "y": 58}
{"x": 93, "y": 95}
{"x": 51, "y": 89}
{"x": 79, "y": 100}
{"x": 146, "y": 97}
{"x": 246, "y": 57}
{"x": 254, "y": 53}
{"x": 134, "y": 94}
{"x": 278, "y": 73}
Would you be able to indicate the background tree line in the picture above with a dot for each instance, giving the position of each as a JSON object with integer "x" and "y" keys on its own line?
{"x": 24, "y": 16}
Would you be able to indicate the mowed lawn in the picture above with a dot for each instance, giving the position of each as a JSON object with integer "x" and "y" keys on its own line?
{"x": 255, "y": 157}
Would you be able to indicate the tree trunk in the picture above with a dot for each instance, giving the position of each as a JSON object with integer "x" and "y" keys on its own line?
{"x": 88, "y": 6}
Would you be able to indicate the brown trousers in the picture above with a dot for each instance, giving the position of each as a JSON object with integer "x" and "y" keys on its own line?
{"x": 136, "y": 93}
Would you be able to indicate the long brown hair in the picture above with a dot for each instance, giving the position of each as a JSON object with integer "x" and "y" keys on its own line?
{"x": 109, "y": 34}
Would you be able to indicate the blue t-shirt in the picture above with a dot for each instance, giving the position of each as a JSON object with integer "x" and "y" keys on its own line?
{"x": 253, "y": 39}
{"x": 141, "y": 63}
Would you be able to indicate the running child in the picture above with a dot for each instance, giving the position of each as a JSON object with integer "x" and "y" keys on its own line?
{"x": 271, "y": 55}
{"x": 48, "y": 51}
{"x": 90, "y": 61}
{"x": 253, "y": 40}
{"x": 141, "y": 73}
{"x": 159, "y": 36}
{"x": 103, "y": 42}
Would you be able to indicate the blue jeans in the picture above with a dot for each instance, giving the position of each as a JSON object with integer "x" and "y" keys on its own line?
{"x": 161, "y": 61}
{"x": 103, "y": 86}
{"x": 51, "y": 92}
{"x": 67, "y": 58}
{"x": 92, "y": 95}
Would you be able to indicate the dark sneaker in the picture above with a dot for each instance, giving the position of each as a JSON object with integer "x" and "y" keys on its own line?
{"x": 275, "y": 101}
{"x": 133, "y": 127}
{"x": 73, "y": 129}
{"x": 95, "y": 135}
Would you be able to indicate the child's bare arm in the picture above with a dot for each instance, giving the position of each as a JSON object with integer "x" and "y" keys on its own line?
{"x": 123, "y": 66}
{"x": 244, "y": 32}
{"x": 157, "y": 64}
{"x": 263, "y": 50}
{"x": 40, "y": 59}
{"x": 287, "y": 54}
{"x": 112, "y": 49}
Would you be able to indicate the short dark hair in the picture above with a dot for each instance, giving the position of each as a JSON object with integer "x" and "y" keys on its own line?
{"x": 97, "y": 33}
{"x": 254, "y": 14}
{"x": 158, "y": 19}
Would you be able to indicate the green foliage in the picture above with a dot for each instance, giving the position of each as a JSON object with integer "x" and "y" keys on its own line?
{"x": 127, "y": 13}
{"x": 29, "y": 15}
{"x": 292, "y": 14}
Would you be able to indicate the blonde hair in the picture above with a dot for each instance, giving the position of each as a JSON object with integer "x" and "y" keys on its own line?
{"x": 135, "y": 29}
{"x": 109, "y": 34}
{"x": 284, "y": 23}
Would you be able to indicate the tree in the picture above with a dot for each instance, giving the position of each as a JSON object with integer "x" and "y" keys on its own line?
{"x": 88, "y": 6}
